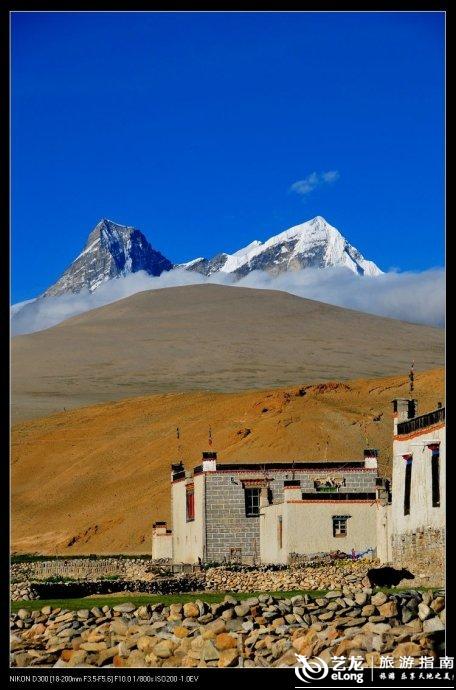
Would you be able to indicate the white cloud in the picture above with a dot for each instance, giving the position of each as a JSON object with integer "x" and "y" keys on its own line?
{"x": 330, "y": 176}
{"x": 415, "y": 297}
{"x": 314, "y": 180}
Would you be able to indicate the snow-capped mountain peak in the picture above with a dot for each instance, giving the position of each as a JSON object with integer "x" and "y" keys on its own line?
{"x": 111, "y": 250}
{"x": 312, "y": 244}
{"x": 250, "y": 247}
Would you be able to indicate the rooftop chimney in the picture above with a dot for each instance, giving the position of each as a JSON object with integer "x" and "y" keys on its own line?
{"x": 371, "y": 458}
{"x": 403, "y": 409}
{"x": 209, "y": 461}
{"x": 176, "y": 469}
{"x": 159, "y": 528}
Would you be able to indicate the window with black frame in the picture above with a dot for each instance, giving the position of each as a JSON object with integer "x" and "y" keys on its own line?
{"x": 435, "y": 473}
{"x": 407, "y": 483}
{"x": 252, "y": 502}
{"x": 340, "y": 525}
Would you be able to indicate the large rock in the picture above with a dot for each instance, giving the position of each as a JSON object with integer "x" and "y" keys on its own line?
{"x": 433, "y": 625}
{"x": 379, "y": 598}
{"x": 209, "y": 652}
{"x": 225, "y": 641}
{"x": 228, "y": 657}
{"x": 438, "y": 604}
{"x": 164, "y": 649}
{"x": 127, "y": 607}
{"x": 407, "y": 649}
{"x": 388, "y": 609}
{"x": 191, "y": 610}
{"x": 146, "y": 643}
{"x": 424, "y": 611}
{"x": 242, "y": 610}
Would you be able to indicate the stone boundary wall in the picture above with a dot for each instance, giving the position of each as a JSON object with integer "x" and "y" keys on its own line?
{"x": 224, "y": 578}
{"x": 423, "y": 553}
{"x": 70, "y": 590}
{"x": 86, "y": 568}
{"x": 261, "y": 631}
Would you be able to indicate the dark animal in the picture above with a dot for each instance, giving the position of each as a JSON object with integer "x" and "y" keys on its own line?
{"x": 388, "y": 577}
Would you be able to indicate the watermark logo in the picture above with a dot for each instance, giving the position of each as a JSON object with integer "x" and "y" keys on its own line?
{"x": 316, "y": 669}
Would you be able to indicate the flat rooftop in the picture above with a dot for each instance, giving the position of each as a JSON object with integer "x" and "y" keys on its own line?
{"x": 259, "y": 466}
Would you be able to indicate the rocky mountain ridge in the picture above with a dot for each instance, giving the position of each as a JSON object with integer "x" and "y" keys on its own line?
{"x": 113, "y": 250}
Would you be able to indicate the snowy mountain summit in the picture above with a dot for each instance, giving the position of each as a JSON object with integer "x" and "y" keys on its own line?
{"x": 111, "y": 250}
{"x": 313, "y": 244}
{"x": 114, "y": 250}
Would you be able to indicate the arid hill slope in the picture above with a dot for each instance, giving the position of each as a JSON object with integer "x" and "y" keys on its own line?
{"x": 207, "y": 337}
{"x": 94, "y": 479}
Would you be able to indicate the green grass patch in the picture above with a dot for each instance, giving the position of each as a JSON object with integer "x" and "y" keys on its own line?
{"x": 209, "y": 597}
{"x": 143, "y": 599}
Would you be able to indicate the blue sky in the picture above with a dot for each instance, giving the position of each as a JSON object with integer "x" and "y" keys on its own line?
{"x": 194, "y": 126}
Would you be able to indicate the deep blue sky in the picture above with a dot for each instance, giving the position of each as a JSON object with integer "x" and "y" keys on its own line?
{"x": 192, "y": 127}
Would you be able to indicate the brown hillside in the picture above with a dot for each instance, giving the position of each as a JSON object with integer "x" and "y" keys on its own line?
{"x": 207, "y": 337}
{"x": 94, "y": 479}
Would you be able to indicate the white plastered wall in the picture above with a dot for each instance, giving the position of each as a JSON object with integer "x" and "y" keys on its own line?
{"x": 307, "y": 527}
{"x": 188, "y": 537}
{"x": 422, "y": 513}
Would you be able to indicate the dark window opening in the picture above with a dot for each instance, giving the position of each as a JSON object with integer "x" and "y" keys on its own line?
{"x": 407, "y": 485}
{"x": 190, "y": 505}
{"x": 435, "y": 469}
{"x": 339, "y": 526}
{"x": 279, "y": 531}
{"x": 252, "y": 502}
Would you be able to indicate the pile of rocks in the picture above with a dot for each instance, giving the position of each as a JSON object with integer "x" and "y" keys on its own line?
{"x": 23, "y": 591}
{"x": 351, "y": 573}
{"x": 260, "y": 631}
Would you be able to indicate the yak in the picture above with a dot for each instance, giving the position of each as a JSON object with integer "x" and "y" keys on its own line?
{"x": 388, "y": 577}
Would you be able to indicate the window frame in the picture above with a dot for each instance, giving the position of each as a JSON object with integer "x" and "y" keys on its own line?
{"x": 339, "y": 523}
{"x": 435, "y": 477}
{"x": 408, "y": 483}
{"x": 190, "y": 505}
{"x": 251, "y": 491}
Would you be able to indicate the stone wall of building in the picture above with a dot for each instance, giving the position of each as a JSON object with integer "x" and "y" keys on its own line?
{"x": 423, "y": 553}
{"x": 226, "y": 523}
